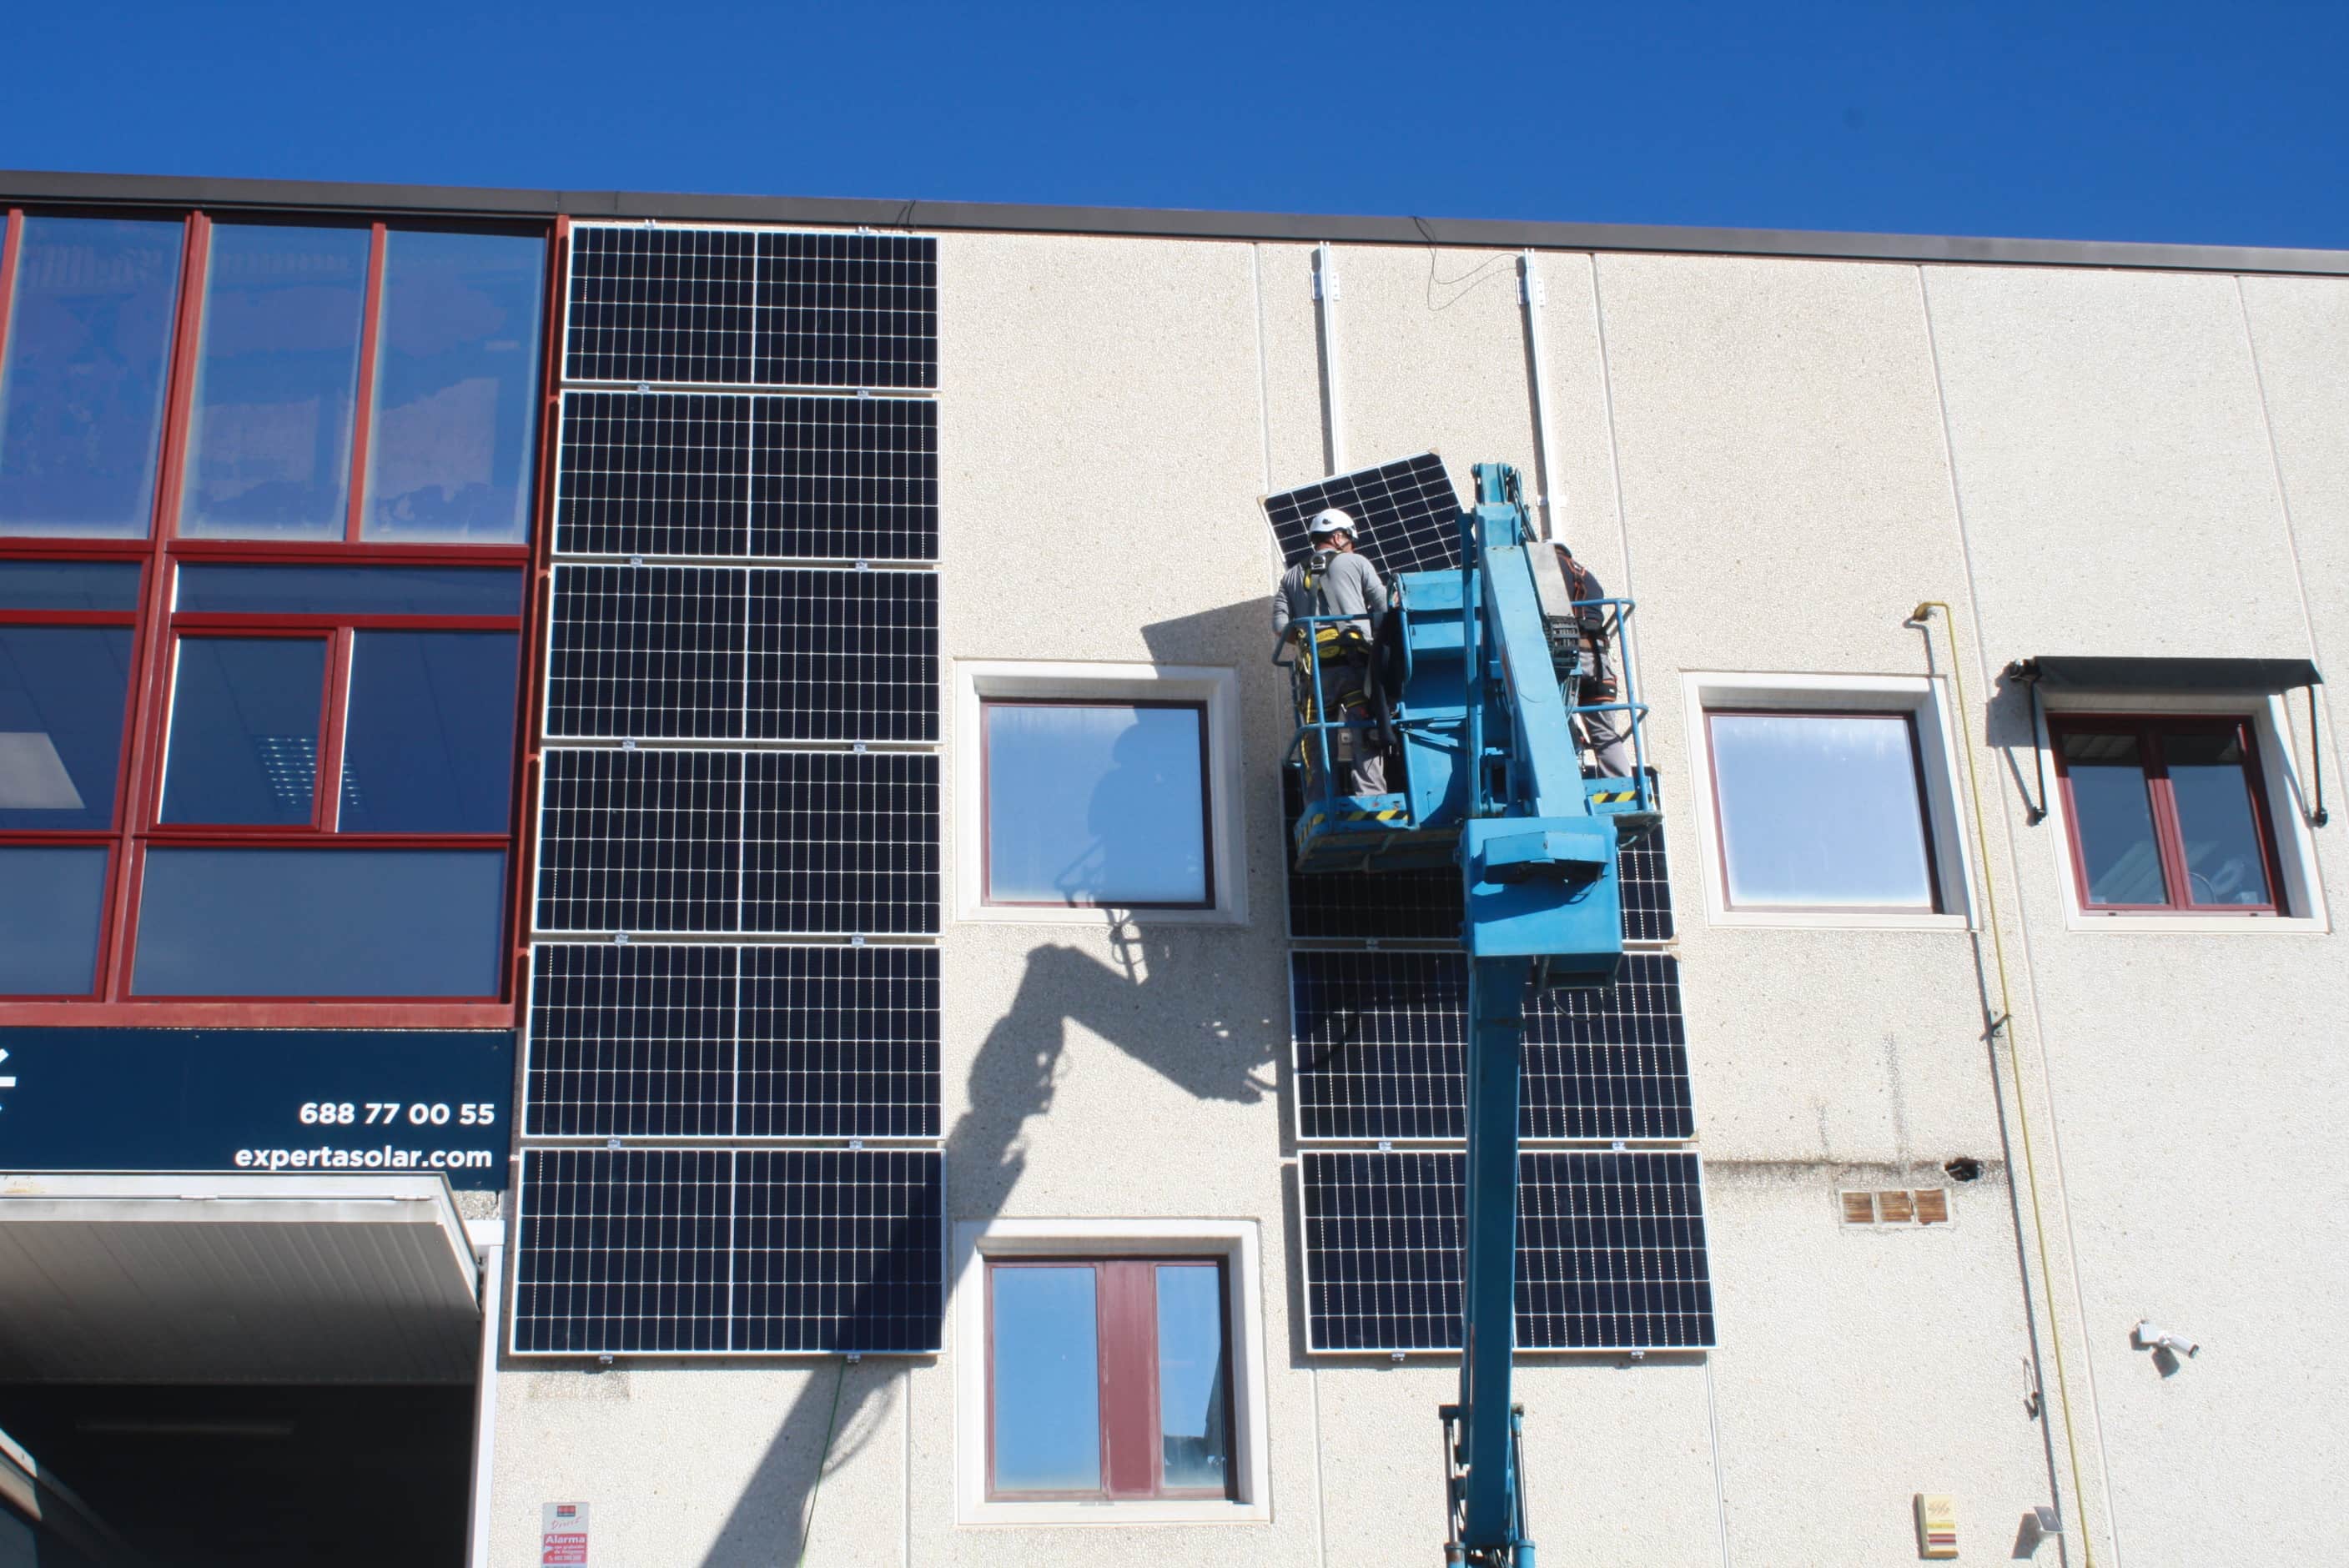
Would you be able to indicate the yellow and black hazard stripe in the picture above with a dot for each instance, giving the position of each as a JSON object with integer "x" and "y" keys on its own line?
{"x": 1389, "y": 814}
{"x": 1614, "y": 797}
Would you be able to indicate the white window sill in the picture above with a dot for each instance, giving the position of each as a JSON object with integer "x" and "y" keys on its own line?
{"x": 1833, "y": 920}
{"x": 2194, "y": 925}
{"x": 1089, "y": 915}
{"x": 1173, "y": 1510}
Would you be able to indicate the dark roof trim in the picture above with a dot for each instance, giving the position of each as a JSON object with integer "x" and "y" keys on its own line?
{"x": 2066, "y": 673}
{"x": 448, "y": 200}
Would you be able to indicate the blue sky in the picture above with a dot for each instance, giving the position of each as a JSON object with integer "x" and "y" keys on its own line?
{"x": 2218, "y": 124}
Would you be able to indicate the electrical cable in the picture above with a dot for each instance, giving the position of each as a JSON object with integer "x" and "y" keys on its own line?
{"x": 816, "y": 1488}
{"x": 2003, "y": 1025}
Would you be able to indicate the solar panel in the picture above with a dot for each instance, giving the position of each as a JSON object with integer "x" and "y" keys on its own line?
{"x": 841, "y": 843}
{"x": 640, "y": 841}
{"x": 843, "y": 655}
{"x": 839, "y": 1042}
{"x": 845, "y": 478}
{"x": 1424, "y": 905}
{"x": 1380, "y": 1047}
{"x": 634, "y": 1040}
{"x": 839, "y": 1250}
{"x": 1408, "y": 512}
{"x": 847, "y": 310}
{"x": 623, "y": 1250}
{"x": 728, "y": 1252}
{"x": 653, "y": 473}
{"x": 660, "y": 304}
{"x": 1610, "y": 1251}
{"x": 646, "y": 651}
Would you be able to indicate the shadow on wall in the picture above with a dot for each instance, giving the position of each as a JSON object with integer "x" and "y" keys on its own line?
{"x": 1128, "y": 1002}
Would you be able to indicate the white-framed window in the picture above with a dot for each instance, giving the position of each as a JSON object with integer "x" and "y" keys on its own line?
{"x": 1095, "y": 792}
{"x": 1828, "y": 801}
{"x": 1109, "y": 1372}
{"x": 2119, "y": 739}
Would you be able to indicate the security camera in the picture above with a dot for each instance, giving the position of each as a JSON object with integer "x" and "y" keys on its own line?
{"x": 2149, "y": 1337}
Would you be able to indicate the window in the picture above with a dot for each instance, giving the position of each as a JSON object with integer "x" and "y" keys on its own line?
{"x": 1827, "y": 800}
{"x": 1821, "y": 810}
{"x": 1097, "y": 792}
{"x": 1107, "y": 1378}
{"x": 2165, "y": 813}
{"x": 1096, "y": 803}
{"x": 1109, "y": 1371}
{"x": 265, "y": 499}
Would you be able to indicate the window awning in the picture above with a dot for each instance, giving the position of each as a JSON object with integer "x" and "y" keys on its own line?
{"x": 2067, "y": 672}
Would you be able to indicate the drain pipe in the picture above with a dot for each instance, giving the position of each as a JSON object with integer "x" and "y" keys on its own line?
{"x": 2004, "y": 1026}
{"x": 488, "y": 1238}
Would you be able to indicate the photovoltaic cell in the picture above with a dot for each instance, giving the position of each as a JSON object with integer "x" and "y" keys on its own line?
{"x": 843, "y": 655}
{"x": 651, "y": 652}
{"x": 725, "y": 1251}
{"x": 623, "y": 1250}
{"x": 839, "y": 1042}
{"x": 1408, "y": 512}
{"x": 847, "y": 310}
{"x": 841, "y": 843}
{"x": 1380, "y": 1046}
{"x": 653, "y": 473}
{"x": 1610, "y": 1251}
{"x": 845, "y": 479}
{"x": 654, "y": 304}
{"x": 839, "y": 1250}
{"x": 1646, "y": 886}
{"x": 640, "y": 841}
{"x": 630, "y": 1041}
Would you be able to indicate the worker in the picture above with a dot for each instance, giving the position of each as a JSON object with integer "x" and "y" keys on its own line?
{"x": 1332, "y": 580}
{"x": 1603, "y": 732}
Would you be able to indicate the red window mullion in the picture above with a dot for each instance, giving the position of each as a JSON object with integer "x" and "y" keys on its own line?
{"x": 2166, "y": 834}
{"x": 140, "y": 795}
{"x": 531, "y": 668}
{"x": 1128, "y": 1331}
{"x": 363, "y": 409}
{"x": 329, "y": 781}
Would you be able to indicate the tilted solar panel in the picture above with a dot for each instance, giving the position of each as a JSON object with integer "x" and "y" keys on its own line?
{"x": 1407, "y": 512}
{"x": 1610, "y": 1251}
{"x": 728, "y": 1252}
{"x": 630, "y": 1040}
{"x": 1381, "y": 1044}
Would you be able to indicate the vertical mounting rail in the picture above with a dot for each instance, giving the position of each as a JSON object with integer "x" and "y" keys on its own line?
{"x": 1529, "y": 294}
{"x": 1325, "y": 293}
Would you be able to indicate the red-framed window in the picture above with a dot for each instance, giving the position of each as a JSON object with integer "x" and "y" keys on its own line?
{"x": 2166, "y": 814}
{"x": 1107, "y": 1378}
{"x": 268, "y": 492}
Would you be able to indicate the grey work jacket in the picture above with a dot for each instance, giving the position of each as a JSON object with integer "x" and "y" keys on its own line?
{"x": 1330, "y": 583}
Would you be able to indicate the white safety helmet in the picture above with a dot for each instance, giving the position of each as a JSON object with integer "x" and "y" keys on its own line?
{"x": 1332, "y": 521}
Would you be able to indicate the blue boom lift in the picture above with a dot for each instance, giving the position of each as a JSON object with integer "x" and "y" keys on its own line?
{"x": 1481, "y": 672}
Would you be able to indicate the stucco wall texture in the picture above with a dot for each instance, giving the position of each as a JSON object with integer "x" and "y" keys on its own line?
{"x": 1779, "y": 458}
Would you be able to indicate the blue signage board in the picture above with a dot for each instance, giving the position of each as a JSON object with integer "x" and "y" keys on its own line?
{"x": 430, "y": 1101}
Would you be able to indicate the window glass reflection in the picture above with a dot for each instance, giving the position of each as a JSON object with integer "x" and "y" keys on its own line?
{"x": 220, "y": 586}
{"x": 50, "y": 897}
{"x": 82, "y": 393}
{"x": 1821, "y": 810}
{"x": 320, "y": 922}
{"x": 2224, "y": 863}
{"x": 269, "y": 437}
{"x": 1047, "y": 1380}
{"x": 62, "y": 690}
{"x": 1095, "y": 804}
{"x": 68, "y": 585}
{"x": 455, "y": 410}
{"x": 1195, "y": 1426}
{"x": 2113, "y": 819}
{"x": 244, "y": 730}
{"x": 428, "y": 747}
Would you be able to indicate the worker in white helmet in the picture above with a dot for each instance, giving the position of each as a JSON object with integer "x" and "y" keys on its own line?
{"x": 1332, "y": 580}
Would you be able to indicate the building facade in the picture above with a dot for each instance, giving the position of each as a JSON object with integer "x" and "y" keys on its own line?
{"x": 643, "y": 862}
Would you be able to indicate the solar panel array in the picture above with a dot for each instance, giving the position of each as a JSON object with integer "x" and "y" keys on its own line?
{"x": 1611, "y": 1243}
{"x": 1610, "y": 1250}
{"x": 731, "y": 1111}
{"x": 1406, "y": 513}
